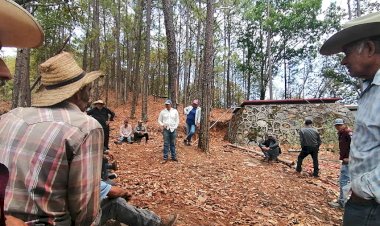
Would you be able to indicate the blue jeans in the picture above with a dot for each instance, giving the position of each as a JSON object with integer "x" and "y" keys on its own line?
{"x": 344, "y": 184}
{"x": 190, "y": 130}
{"x": 169, "y": 143}
{"x": 125, "y": 139}
{"x": 358, "y": 214}
{"x": 118, "y": 209}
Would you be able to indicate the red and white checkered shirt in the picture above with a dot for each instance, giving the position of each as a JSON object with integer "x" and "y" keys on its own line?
{"x": 54, "y": 158}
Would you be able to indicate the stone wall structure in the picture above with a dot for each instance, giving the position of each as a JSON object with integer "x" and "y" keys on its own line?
{"x": 284, "y": 118}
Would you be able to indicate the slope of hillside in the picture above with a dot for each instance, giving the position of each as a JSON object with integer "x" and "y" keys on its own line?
{"x": 225, "y": 186}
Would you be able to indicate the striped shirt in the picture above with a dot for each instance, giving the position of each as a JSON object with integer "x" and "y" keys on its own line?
{"x": 365, "y": 144}
{"x": 54, "y": 158}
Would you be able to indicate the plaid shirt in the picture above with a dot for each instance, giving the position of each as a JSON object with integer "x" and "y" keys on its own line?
{"x": 54, "y": 157}
{"x": 365, "y": 144}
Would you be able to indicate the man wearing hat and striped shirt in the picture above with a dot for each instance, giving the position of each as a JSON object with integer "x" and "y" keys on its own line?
{"x": 53, "y": 150}
{"x": 359, "y": 40}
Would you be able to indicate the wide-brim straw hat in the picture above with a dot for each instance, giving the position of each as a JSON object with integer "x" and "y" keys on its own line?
{"x": 98, "y": 102}
{"x": 61, "y": 78}
{"x": 354, "y": 30}
{"x": 17, "y": 27}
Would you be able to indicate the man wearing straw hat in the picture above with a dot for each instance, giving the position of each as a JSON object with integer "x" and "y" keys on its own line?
{"x": 53, "y": 150}
{"x": 17, "y": 29}
{"x": 359, "y": 40}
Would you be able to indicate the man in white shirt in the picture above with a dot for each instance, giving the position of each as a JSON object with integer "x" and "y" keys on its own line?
{"x": 125, "y": 133}
{"x": 169, "y": 120}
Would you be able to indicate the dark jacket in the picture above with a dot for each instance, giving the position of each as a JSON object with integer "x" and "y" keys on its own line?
{"x": 102, "y": 116}
{"x": 344, "y": 137}
{"x": 309, "y": 137}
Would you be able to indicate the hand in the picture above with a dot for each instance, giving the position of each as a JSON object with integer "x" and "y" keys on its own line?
{"x": 346, "y": 160}
{"x": 10, "y": 220}
{"x": 126, "y": 196}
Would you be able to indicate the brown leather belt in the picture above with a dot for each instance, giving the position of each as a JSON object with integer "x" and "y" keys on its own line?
{"x": 358, "y": 200}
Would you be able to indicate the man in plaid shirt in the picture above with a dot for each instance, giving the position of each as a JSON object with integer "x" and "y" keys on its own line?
{"x": 53, "y": 150}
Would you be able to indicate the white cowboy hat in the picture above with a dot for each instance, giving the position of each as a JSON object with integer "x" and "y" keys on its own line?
{"x": 98, "y": 102}
{"x": 61, "y": 78}
{"x": 354, "y": 30}
{"x": 17, "y": 27}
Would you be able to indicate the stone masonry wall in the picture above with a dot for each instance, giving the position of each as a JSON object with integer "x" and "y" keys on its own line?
{"x": 252, "y": 122}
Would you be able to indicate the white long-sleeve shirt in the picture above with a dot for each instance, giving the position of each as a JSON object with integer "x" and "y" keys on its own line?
{"x": 169, "y": 119}
{"x": 126, "y": 132}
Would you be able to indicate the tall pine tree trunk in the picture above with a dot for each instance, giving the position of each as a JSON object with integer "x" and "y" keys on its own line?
{"x": 21, "y": 89}
{"x": 144, "y": 112}
{"x": 136, "y": 73}
{"x": 172, "y": 52}
{"x": 207, "y": 78}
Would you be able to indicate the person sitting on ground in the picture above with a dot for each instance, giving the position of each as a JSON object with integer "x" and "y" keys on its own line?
{"x": 193, "y": 119}
{"x": 115, "y": 206}
{"x": 270, "y": 148}
{"x": 140, "y": 132}
{"x": 344, "y": 138}
{"x": 125, "y": 133}
{"x": 103, "y": 115}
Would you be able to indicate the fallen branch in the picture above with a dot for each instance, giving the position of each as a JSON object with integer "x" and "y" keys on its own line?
{"x": 284, "y": 161}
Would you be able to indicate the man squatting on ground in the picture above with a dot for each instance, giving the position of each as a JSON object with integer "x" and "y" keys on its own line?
{"x": 359, "y": 40}
{"x": 270, "y": 147}
{"x": 140, "y": 132}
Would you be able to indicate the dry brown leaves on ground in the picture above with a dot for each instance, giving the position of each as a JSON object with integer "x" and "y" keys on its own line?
{"x": 225, "y": 186}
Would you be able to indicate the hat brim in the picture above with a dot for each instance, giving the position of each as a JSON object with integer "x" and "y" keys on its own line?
{"x": 336, "y": 42}
{"x": 18, "y": 28}
{"x": 44, "y": 97}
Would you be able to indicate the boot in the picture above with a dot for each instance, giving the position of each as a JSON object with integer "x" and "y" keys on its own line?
{"x": 170, "y": 220}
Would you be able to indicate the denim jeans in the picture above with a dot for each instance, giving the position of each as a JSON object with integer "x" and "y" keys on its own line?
{"x": 356, "y": 214}
{"x": 118, "y": 209}
{"x": 190, "y": 130}
{"x": 308, "y": 150}
{"x": 169, "y": 143}
{"x": 344, "y": 184}
{"x": 125, "y": 139}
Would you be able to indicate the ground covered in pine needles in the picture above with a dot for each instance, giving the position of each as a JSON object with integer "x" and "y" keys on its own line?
{"x": 226, "y": 186}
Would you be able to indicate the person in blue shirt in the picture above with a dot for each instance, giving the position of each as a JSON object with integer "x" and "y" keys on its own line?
{"x": 114, "y": 204}
{"x": 193, "y": 119}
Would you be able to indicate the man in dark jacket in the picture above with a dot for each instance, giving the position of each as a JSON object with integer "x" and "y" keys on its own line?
{"x": 270, "y": 148}
{"x": 103, "y": 115}
{"x": 310, "y": 142}
{"x": 344, "y": 137}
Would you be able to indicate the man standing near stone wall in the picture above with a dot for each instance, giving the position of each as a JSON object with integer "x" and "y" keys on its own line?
{"x": 310, "y": 142}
